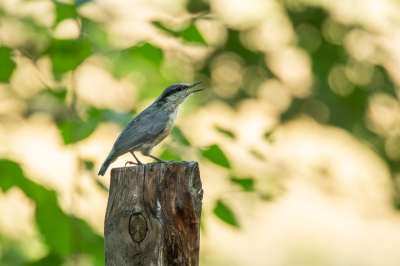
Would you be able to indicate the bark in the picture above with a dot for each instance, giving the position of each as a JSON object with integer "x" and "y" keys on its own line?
{"x": 153, "y": 215}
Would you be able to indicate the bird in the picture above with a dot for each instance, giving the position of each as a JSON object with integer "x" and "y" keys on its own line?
{"x": 151, "y": 126}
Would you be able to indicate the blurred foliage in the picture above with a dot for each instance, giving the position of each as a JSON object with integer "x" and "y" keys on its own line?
{"x": 7, "y": 65}
{"x": 222, "y": 211}
{"x": 189, "y": 34}
{"x": 178, "y": 135}
{"x": 226, "y": 132}
{"x": 146, "y": 58}
{"x": 65, "y": 235}
{"x": 215, "y": 155}
{"x": 65, "y": 11}
{"x": 247, "y": 184}
{"x": 66, "y": 55}
{"x": 169, "y": 155}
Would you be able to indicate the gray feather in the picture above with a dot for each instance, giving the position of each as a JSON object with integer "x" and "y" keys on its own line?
{"x": 144, "y": 127}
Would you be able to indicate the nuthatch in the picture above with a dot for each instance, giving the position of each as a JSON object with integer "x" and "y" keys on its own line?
{"x": 151, "y": 126}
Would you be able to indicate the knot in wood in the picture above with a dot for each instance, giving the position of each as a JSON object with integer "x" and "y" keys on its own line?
{"x": 137, "y": 227}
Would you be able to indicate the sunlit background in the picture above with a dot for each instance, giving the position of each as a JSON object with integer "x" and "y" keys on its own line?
{"x": 297, "y": 133}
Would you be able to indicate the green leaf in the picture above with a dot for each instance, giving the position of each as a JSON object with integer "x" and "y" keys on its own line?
{"x": 196, "y": 6}
{"x": 258, "y": 155}
{"x": 191, "y": 34}
{"x": 52, "y": 222}
{"x": 10, "y": 175}
{"x": 147, "y": 52}
{"x": 146, "y": 59}
{"x": 60, "y": 94}
{"x": 12, "y": 253}
{"x": 161, "y": 27}
{"x": 76, "y": 130}
{"x": 223, "y": 212}
{"x": 64, "y": 235}
{"x": 101, "y": 185}
{"x": 93, "y": 33}
{"x": 178, "y": 135}
{"x": 247, "y": 184}
{"x": 168, "y": 155}
{"x": 65, "y": 11}
{"x": 66, "y": 132}
{"x": 7, "y": 65}
{"x": 234, "y": 44}
{"x": 88, "y": 165}
{"x": 225, "y": 132}
{"x": 51, "y": 102}
{"x": 67, "y": 55}
{"x": 50, "y": 260}
{"x": 102, "y": 115}
{"x": 215, "y": 155}
{"x": 266, "y": 197}
{"x": 87, "y": 241}
{"x": 267, "y": 135}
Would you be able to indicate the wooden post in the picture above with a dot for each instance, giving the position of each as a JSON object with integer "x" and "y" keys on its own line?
{"x": 153, "y": 215}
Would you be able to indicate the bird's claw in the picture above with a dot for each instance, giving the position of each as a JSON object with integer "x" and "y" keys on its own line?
{"x": 130, "y": 162}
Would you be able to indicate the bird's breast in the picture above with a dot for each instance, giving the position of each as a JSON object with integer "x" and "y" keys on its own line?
{"x": 168, "y": 128}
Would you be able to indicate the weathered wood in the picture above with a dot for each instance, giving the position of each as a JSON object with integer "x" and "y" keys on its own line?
{"x": 153, "y": 215}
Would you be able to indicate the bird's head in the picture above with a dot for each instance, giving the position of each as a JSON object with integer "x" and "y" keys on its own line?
{"x": 177, "y": 93}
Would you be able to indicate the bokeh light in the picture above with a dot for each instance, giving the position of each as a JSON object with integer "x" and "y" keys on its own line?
{"x": 297, "y": 133}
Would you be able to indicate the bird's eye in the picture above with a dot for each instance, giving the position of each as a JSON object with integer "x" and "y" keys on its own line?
{"x": 179, "y": 89}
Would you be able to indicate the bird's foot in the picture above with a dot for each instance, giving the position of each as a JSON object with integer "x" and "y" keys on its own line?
{"x": 158, "y": 159}
{"x": 162, "y": 161}
{"x": 130, "y": 162}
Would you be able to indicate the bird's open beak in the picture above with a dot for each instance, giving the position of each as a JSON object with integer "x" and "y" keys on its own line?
{"x": 195, "y": 84}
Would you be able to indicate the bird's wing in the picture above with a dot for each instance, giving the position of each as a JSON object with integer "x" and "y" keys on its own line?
{"x": 144, "y": 127}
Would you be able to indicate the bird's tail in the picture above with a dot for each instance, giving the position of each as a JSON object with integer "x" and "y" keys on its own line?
{"x": 105, "y": 165}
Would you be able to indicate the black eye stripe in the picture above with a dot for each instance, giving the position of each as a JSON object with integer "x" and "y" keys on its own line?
{"x": 170, "y": 92}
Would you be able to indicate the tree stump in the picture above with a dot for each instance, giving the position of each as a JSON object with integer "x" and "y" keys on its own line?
{"x": 153, "y": 215}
